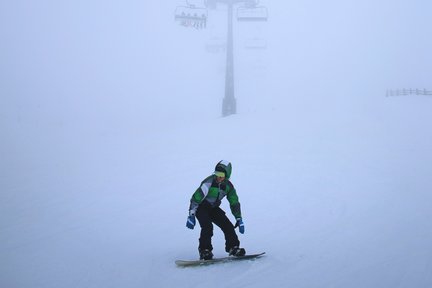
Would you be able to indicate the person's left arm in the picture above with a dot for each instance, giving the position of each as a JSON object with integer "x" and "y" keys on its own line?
{"x": 233, "y": 200}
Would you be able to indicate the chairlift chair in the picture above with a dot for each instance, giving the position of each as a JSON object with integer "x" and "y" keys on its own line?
{"x": 190, "y": 13}
{"x": 255, "y": 44}
{"x": 252, "y": 14}
{"x": 215, "y": 45}
{"x": 191, "y": 16}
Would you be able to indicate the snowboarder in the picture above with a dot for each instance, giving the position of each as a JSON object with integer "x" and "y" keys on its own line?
{"x": 204, "y": 205}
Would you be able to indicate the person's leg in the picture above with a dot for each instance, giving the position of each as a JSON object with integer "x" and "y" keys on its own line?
{"x": 205, "y": 221}
{"x": 221, "y": 220}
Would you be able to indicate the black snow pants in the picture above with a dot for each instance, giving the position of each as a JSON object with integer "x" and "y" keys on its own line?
{"x": 207, "y": 215}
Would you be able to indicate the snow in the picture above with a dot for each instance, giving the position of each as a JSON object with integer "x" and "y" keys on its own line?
{"x": 110, "y": 119}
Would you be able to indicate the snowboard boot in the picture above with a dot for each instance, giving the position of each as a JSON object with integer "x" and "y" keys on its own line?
{"x": 205, "y": 254}
{"x": 236, "y": 251}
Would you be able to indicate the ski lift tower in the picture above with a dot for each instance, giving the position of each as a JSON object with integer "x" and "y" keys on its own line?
{"x": 248, "y": 12}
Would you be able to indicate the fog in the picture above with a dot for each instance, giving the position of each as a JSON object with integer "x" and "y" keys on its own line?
{"x": 107, "y": 105}
{"x": 60, "y": 59}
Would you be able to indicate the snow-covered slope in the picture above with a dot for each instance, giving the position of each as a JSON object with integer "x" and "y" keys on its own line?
{"x": 99, "y": 162}
{"x": 335, "y": 199}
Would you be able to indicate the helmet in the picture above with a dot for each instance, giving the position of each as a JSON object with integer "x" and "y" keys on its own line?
{"x": 224, "y": 166}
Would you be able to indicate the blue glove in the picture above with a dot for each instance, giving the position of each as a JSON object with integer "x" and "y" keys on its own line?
{"x": 190, "y": 223}
{"x": 240, "y": 224}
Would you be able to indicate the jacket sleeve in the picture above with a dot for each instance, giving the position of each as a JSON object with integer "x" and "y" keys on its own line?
{"x": 199, "y": 196}
{"x": 234, "y": 202}
{"x": 196, "y": 199}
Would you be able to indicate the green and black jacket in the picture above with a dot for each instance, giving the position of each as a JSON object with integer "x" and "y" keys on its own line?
{"x": 213, "y": 193}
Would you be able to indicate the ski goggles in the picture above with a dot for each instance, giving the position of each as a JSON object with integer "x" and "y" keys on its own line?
{"x": 219, "y": 174}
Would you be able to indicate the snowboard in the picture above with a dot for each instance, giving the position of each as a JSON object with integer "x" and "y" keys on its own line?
{"x": 190, "y": 263}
